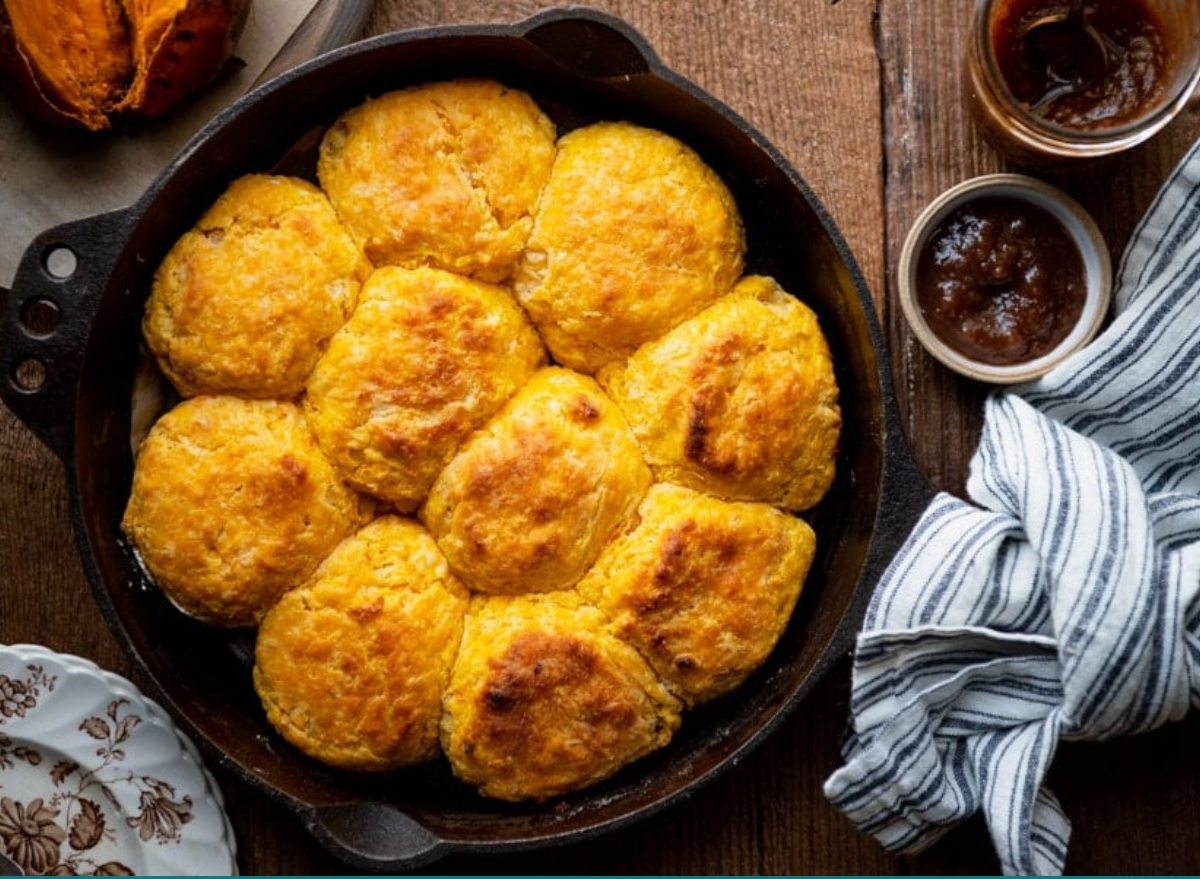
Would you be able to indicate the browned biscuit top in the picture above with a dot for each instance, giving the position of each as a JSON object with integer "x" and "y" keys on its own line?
{"x": 445, "y": 174}
{"x": 232, "y": 504}
{"x": 544, "y": 700}
{"x": 426, "y": 358}
{"x": 245, "y": 301}
{"x": 739, "y": 401}
{"x": 351, "y": 665}
{"x": 529, "y": 500}
{"x": 633, "y": 234}
{"x": 702, "y": 587}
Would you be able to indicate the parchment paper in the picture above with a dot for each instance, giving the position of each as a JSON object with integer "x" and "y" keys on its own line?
{"x": 48, "y": 177}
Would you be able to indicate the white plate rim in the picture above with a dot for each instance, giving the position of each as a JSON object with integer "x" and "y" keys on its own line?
{"x": 205, "y": 844}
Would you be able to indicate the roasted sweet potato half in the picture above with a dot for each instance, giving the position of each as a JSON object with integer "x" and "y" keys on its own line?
{"x": 87, "y": 63}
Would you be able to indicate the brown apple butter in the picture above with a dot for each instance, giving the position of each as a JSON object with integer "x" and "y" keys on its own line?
{"x": 1062, "y": 73}
{"x": 1000, "y": 280}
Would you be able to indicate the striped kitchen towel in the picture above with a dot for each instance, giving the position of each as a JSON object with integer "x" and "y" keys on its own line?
{"x": 1061, "y": 602}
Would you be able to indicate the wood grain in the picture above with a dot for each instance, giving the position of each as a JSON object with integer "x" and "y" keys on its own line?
{"x": 862, "y": 96}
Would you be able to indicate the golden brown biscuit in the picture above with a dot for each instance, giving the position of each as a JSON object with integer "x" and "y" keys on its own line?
{"x": 232, "y": 504}
{"x": 426, "y": 358}
{"x": 702, "y": 587}
{"x": 529, "y": 500}
{"x": 633, "y": 235}
{"x": 445, "y": 174}
{"x": 245, "y": 301}
{"x": 351, "y": 666}
{"x": 739, "y": 401}
{"x": 605, "y": 602}
{"x": 543, "y": 700}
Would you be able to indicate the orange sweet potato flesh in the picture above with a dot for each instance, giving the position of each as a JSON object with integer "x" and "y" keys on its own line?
{"x": 87, "y": 63}
{"x": 68, "y": 60}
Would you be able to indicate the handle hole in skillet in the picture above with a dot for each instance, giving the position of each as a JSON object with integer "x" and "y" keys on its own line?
{"x": 40, "y": 317}
{"x": 60, "y": 263}
{"x": 29, "y": 375}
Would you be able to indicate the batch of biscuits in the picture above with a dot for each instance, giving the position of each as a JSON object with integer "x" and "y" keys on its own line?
{"x": 488, "y": 435}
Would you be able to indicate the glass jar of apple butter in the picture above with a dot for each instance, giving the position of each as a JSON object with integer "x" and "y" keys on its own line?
{"x": 1047, "y": 84}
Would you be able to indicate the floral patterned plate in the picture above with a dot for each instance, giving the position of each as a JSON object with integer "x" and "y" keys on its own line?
{"x": 95, "y": 779}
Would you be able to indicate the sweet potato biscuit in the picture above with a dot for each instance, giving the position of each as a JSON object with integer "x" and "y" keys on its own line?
{"x": 444, "y": 174}
{"x": 232, "y": 504}
{"x": 529, "y": 500}
{"x": 351, "y": 666}
{"x": 543, "y": 700}
{"x": 537, "y": 364}
{"x": 426, "y": 358}
{"x": 246, "y": 300}
{"x": 702, "y": 587}
{"x": 633, "y": 235}
{"x": 739, "y": 401}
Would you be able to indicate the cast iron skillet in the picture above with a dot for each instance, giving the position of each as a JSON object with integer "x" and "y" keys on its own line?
{"x": 69, "y": 380}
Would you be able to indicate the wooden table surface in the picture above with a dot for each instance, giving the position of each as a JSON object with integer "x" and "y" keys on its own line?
{"x": 862, "y": 96}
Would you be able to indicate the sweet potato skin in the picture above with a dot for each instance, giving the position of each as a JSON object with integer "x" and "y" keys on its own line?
{"x": 96, "y": 62}
{"x": 179, "y": 48}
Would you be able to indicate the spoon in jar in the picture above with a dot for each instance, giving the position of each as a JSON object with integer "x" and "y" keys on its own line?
{"x": 1071, "y": 51}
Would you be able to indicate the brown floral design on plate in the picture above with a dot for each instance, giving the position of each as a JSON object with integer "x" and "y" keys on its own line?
{"x": 94, "y": 778}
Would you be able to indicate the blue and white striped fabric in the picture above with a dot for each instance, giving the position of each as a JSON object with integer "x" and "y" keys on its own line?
{"x": 1062, "y": 603}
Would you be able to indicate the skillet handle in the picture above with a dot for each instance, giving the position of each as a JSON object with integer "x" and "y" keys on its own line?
{"x": 590, "y": 43}
{"x": 373, "y": 836}
{"x": 48, "y": 318}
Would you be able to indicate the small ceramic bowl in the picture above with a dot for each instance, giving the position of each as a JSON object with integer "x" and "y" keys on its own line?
{"x": 1083, "y": 232}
